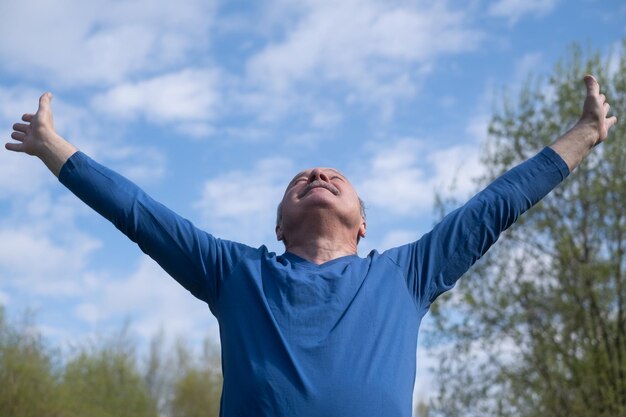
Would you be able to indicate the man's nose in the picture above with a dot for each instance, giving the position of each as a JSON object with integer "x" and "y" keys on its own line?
{"x": 318, "y": 174}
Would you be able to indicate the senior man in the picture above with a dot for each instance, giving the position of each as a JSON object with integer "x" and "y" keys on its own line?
{"x": 318, "y": 330}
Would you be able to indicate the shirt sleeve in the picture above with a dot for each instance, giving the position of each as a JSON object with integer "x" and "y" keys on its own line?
{"x": 434, "y": 263}
{"x": 197, "y": 260}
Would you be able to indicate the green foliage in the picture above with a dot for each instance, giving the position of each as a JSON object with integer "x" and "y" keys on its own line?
{"x": 538, "y": 326}
{"x": 104, "y": 379}
{"x": 198, "y": 389}
{"x": 27, "y": 379}
{"x": 104, "y": 382}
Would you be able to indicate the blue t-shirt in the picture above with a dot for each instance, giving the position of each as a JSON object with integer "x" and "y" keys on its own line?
{"x": 300, "y": 339}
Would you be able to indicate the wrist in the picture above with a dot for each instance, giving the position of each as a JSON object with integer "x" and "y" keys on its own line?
{"x": 587, "y": 132}
{"x": 54, "y": 152}
{"x": 47, "y": 145}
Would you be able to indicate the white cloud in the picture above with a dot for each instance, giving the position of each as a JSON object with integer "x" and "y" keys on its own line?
{"x": 396, "y": 182}
{"x": 404, "y": 176}
{"x": 20, "y": 174}
{"x": 340, "y": 40}
{"x": 325, "y": 118}
{"x": 513, "y": 10}
{"x": 15, "y": 101}
{"x": 139, "y": 164}
{"x": 478, "y": 127}
{"x": 151, "y": 300}
{"x": 31, "y": 259}
{"x": 241, "y": 205}
{"x": 189, "y": 95}
{"x": 455, "y": 169}
{"x": 427, "y": 362}
{"x": 379, "y": 51}
{"x": 72, "y": 120}
{"x": 614, "y": 54}
{"x": 89, "y": 313}
{"x": 448, "y": 101}
{"x": 530, "y": 63}
{"x": 398, "y": 237}
{"x": 41, "y": 249}
{"x": 79, "y": 43}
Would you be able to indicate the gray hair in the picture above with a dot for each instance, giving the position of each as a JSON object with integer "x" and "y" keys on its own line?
{"x": 279, "y": 215}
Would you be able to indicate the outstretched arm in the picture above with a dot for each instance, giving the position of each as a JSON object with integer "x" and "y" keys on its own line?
{"x": 434, "y": 263}
{"x": 37, "y": 137}
{"x": 197, "y": 260}
{"x": 591, "y": 129}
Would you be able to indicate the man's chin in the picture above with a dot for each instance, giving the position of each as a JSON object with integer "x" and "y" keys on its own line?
{"x": 325, "y": 199}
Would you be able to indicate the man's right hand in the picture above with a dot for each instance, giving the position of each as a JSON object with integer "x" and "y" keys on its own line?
{"x": 37, "y": 137}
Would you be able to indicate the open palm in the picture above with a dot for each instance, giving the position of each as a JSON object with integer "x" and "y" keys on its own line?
{"x": 38, "y": 129}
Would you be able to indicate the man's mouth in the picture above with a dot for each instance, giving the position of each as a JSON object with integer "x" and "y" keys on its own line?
{"x": 319, "y": 184}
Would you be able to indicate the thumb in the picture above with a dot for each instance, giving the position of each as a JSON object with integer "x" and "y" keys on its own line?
{"x": 593, "y": 88}
{"x": 45, "y": 103}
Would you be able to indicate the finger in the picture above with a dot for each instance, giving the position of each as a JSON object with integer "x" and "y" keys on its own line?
{"x": 15, "y": 147}
{"x": 593, "y": 87}
{"x": 606, "y": 107}
{"x": 20, "y": 127}
{"x": 610, "y": 122}
{"x": 602, "y": 98}
{"x": 27, "y": 117}
{"x": 44, "y": 103}
{"x": 18, "y": 136}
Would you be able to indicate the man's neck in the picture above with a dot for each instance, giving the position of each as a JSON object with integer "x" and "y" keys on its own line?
{"x": 320, "y": 250}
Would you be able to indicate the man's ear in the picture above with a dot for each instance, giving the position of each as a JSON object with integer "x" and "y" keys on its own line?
{"x": 362, "y": 229}
{"x": 279, "y": 233}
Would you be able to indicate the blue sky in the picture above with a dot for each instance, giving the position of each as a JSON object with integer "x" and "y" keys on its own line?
{"x": 212, "y": 106}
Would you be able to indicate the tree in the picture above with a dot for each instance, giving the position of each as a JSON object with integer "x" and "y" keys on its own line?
{"x": 103, "y": 381}
{"x": 159, "y": 373}
{"x": 538, "y": 326}
{"x": 27, "y": 375}
{"x": 198, "y": 388}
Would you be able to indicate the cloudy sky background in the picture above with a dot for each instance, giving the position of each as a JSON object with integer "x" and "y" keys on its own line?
{"x": 212, "y": 106}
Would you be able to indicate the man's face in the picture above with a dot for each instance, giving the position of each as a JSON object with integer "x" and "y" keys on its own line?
{"x": 320, "y": 191}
